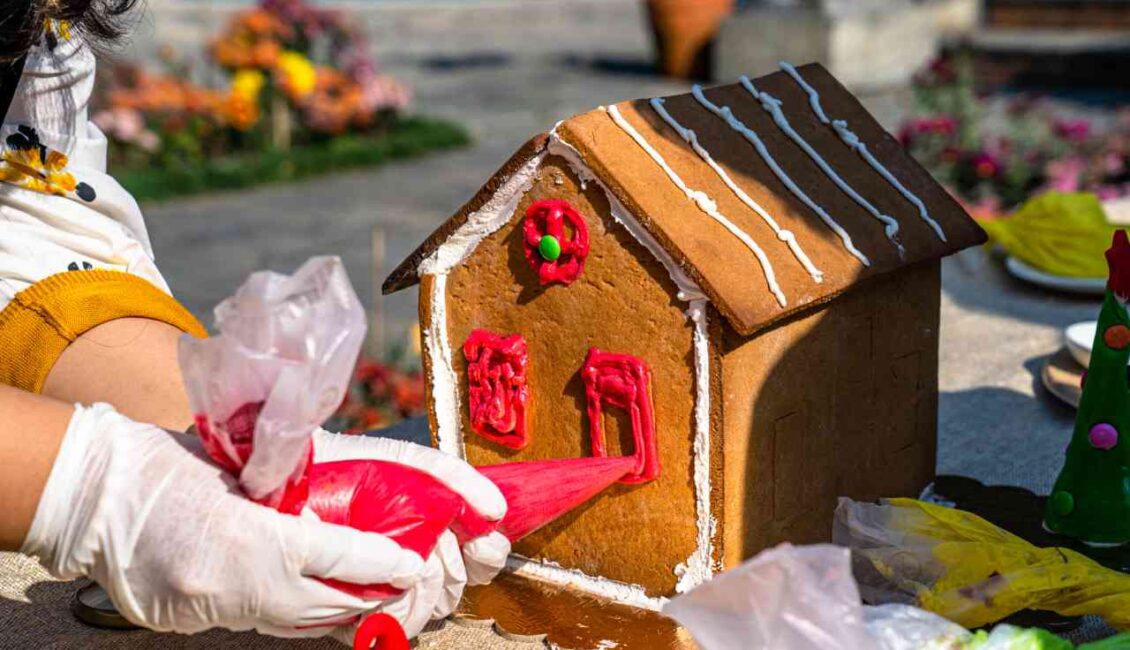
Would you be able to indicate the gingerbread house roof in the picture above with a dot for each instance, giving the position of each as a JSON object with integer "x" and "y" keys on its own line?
{"x": 773, "y": 194}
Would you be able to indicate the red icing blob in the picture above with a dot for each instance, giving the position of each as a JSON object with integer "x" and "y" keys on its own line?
{"x": 622, "y": 381}
{"x": 549, "y": 217}
{"x": 496, "y": 387}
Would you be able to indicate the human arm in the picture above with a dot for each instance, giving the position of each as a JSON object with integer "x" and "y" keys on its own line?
{"x": 130, "y": 363}
{"x": 26, "y": 460}
{"x": 169, "y": 536}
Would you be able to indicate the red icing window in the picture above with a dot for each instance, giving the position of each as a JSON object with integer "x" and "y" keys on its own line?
{"x": 496, "y": 387}
{"x": 551, "y": 253}
{"x": 624, "y": 382}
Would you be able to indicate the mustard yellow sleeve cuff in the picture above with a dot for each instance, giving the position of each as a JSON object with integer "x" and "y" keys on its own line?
{"x": 42, "y": 320}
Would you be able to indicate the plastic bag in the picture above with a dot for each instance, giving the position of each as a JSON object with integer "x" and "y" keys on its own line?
{"x": 800, "y": 598}
{"x": 804, "y": 598}
{"x": 278, "y": 368}
{"x": 962, "y": 567}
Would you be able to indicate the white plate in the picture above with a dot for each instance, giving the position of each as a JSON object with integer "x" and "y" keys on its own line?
{"x": 1090, "y": 286}
{"x": 1078, "y": 339}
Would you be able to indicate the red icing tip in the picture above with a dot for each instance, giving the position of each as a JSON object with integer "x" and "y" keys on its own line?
{"x": 380, "y": 632}
{"x": 538, "y": 492}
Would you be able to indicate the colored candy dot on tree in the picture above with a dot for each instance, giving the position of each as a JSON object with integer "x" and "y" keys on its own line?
{"x": 549, "y": 248}
{"x": 1063, "y": 503}
{"x": 1117, "y": 337}
{"x": 1103, "y": 436}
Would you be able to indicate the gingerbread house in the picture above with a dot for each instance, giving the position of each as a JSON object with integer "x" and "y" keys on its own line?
{"x": 739, "y": 286}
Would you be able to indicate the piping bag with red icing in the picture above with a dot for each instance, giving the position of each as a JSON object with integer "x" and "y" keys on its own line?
{"x": 279, "y": 367}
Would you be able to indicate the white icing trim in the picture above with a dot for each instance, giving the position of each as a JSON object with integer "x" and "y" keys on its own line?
{"x": 699, "y": 567}
{"x": 772, "y": 105}
{"x": 493, "y": 214}
{"x": 853, "y": 142}
{"x": 724, "y": 113}
{"x": 786, "y": 236}
{"x": 620, "y": 592}
{"x": 702, "y": 200}
{"x": 445, "y": 392}
{"x": 688, "y": 289}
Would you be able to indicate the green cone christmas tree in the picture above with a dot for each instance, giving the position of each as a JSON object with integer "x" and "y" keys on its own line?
{"x": 1091, "y": 498}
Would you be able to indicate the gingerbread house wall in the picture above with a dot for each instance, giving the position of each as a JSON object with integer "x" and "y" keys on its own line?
{"x": 623, "y": 302}
{"x": 840, "y": 402}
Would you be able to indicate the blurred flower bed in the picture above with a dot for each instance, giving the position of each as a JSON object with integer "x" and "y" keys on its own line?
{"x": 381, "y": 394}
{"x": 295, "y": 92}
{"x": 995, "y": 153}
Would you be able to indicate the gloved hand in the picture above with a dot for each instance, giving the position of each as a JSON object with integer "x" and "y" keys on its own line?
{"x": 480, "y": 560}
{"x": 178, "y": 548}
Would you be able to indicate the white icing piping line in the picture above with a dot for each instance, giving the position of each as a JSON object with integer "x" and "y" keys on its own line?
{"x": 724, "y": 113}
{"x": 699, "y": 567}
{"x": 702, "y": 200}
{"x": 786, "y": 236}
{"x": 620, "y": 592}
{"x": 493, "y": 214}
{"x": 853, "y": 142}
{"x": 444, "y": 396}
{"x": 772, "y": 105}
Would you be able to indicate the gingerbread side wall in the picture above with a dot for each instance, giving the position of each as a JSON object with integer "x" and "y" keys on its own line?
{"x": 840, "y": 402}
{"x": 624, "y": 301}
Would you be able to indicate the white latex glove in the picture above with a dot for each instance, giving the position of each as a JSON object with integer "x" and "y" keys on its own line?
{"x": 483, "y": 557}
{"x": 144, "y": 513}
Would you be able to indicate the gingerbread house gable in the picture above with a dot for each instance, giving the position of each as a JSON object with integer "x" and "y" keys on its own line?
{"x": 763, "y": 254}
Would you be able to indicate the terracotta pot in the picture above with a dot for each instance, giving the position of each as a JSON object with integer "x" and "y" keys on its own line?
{"x": 684, "y": 31}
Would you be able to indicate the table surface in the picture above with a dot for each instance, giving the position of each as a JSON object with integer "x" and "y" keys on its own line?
{"x": 996, "y": 424}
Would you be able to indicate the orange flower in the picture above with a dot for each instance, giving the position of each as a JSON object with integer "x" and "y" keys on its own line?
{"x": 265, "y": 54}
{"x": 240, "y": 111}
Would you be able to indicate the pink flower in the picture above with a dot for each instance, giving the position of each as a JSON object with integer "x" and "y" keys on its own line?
{"x": 1107, "y": 192}
{"x": 149, "y": 141}
{"x": 985, "y": 165}
{"x": 124, "y": 124}
{"x": 1064, "y": 173}
{"x": 939, "y": 124}
{"x": 1077, "y": 130}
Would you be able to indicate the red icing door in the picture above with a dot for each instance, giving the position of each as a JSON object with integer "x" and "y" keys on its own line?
{"x": 622, "y": 381}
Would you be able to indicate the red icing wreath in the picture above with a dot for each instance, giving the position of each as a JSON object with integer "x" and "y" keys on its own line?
{"x": 550, "y": 254}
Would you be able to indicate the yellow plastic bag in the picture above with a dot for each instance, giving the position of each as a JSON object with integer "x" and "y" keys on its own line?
{"x": 964, "y": 568}
{"x": 1062, "y": 234}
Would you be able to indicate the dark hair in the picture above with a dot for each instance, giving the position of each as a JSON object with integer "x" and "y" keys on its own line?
{"x": 101, "y": 22}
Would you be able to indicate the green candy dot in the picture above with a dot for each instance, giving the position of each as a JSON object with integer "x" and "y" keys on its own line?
{"x": 549, "y": 248}
{"x": 1063, "y": 503}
